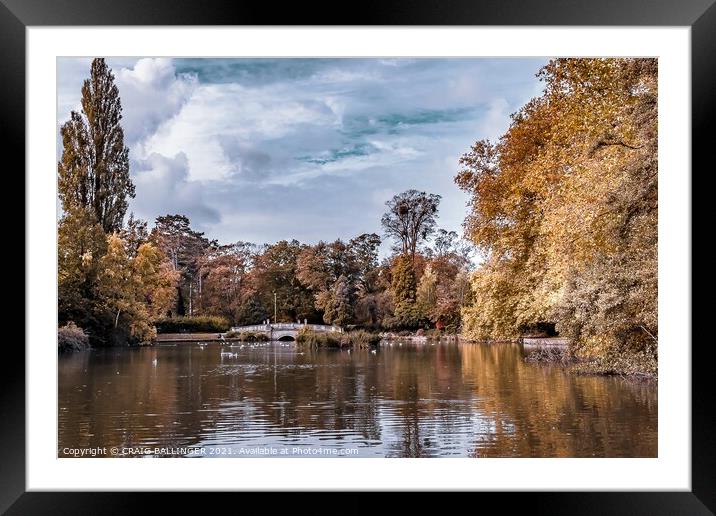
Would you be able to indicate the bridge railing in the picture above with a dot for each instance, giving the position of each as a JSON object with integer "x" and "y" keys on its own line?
{"x": 287, "y": 326}
{"x": 254, "y": 328}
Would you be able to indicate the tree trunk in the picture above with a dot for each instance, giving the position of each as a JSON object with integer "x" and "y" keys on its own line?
{"x": 190, "y": 292}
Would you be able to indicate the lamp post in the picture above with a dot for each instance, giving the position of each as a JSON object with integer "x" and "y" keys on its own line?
{"x": 275, "y": 310}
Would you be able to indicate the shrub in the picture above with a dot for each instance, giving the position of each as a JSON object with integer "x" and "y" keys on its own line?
{"x": 622, "y": 363}
{"x": 607, "y": 355}
{"x": 246, "y": 336}
{"x": 357, "y": 338}
{"x": 551, "y": 354}
{"x": 71, "y": 337}
{"x": 187, "y": 324}
{"x": 362, "y": 338}
{"x": 320, "y": 339}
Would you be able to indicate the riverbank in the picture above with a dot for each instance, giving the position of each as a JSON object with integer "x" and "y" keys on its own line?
{"x": 559, "y": 352}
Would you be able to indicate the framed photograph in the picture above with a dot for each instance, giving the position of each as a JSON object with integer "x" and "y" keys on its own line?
{"x": 445, "y": 248}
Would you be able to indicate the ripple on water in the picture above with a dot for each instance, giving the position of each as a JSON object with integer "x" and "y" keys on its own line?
{"x": 409, "y": 401}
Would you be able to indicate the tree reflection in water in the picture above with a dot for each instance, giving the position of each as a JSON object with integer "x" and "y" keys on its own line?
{"x": 414, "y": 400}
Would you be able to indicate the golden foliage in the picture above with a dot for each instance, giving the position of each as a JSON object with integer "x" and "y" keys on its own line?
{"x": 569, "y": 189}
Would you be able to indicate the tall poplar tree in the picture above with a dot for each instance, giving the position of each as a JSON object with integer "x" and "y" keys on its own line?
{"x": 94, "y": 169}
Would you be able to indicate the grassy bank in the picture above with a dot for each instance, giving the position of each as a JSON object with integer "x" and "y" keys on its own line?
{"x": 357, "y": 339}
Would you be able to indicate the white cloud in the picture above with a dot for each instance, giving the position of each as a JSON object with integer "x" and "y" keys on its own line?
{"x": 163, "y": 186}
{"x": 152, "y": 93}
{"x": 266, "y": 149}
{"x": 231, "y": 111}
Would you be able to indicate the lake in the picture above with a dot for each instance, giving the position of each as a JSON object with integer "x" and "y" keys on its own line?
{"x": 427, "y": 399}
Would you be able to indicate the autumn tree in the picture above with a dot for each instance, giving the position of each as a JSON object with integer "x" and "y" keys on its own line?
{"x": 276, "y": 271}
{"x": 94, "y": 170}
{"x": 427, "y": 291}
{"x": 157, "y": 278}
{"x": 111, "y": 280}
{"x": 410, "y": 219}
{"x": 133, "y": 291}
{"x": 81, "y": 243}
{"x": 364, "y": 255}
{"x": 353, "y": 264}
{"x": 134, "y": 233}
{"x": 183, "y": 247}
{"x": 117, "y": 286}
{"x": 225, "y": 286}
{"x": 564, "y": 210}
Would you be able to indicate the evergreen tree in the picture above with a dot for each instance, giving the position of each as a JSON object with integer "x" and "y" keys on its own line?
{"x": 339, "y": 308}
{"x": 404, "y": 283}
{"x": 404, "y": 289}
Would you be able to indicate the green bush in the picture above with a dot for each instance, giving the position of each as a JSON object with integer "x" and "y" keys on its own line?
{"x": 192, "y": 324}
{"x": 71, "y": 337}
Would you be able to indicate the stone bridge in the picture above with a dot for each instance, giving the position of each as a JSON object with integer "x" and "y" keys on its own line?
{"x": 285, "y": 331}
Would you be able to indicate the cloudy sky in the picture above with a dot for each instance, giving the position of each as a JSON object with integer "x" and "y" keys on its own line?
{"x": 267, "y": 149}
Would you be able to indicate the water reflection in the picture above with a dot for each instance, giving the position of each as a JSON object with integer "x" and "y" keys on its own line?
{"x": 406, "y": 400}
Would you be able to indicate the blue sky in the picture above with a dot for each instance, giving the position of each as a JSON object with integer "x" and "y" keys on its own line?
{"x": 267, "y": 149}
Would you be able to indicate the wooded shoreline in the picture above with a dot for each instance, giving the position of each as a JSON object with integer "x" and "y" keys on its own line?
{"x": 562, "y": 214}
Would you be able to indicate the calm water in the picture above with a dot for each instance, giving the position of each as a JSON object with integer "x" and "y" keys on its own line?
{"x": 408, "y": 400}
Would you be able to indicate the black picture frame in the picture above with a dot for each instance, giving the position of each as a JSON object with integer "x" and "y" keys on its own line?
{"x": 700, "y": 15}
